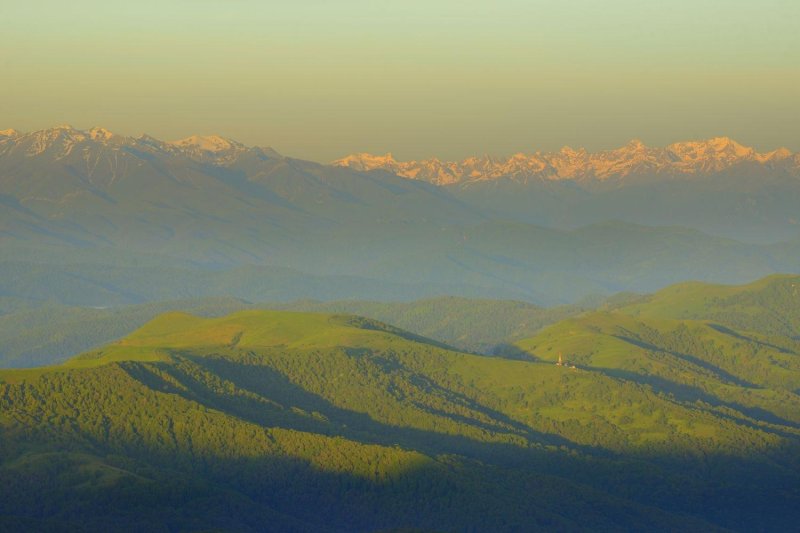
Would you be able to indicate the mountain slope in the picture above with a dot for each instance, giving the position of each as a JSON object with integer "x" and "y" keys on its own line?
{"x": 309, "y": 421}
{"x": 735, "y": 347}
{"x": 717, "y": 186}
{"x": 750, "y": 203}
{"x": 101, "y": 219}
{"x": 235, "y": 203}
{"x": 770, "y": 306}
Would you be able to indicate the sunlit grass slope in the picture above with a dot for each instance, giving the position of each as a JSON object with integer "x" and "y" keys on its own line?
{"x": 42, "y": 333}
{"x": 770, "y": 305}
{"x": 261, "y": 329}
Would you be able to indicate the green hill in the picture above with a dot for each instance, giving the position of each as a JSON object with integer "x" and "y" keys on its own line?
{"x": 45, "y": 333}
{"x": 473, "y": 325}
{"x": 272, "y": 420}
{"x": 34, "y": 334}
{"x": 734, "y": 349}
{"x": 770, "y": 305}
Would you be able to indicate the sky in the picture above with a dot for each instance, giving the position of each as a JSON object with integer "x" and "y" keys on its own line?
{"x": 321, "y": 79}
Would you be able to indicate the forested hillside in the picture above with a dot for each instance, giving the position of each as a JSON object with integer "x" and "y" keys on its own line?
{"x": 296, "y": 421}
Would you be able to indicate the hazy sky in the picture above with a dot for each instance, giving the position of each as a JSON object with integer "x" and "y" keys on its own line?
{"x": 449, "y": 78}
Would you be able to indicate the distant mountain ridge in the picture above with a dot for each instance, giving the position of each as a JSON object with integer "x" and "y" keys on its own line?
{"x": 80, "y": 208}
{"x": 688, "y": 158}
{"x": 88, "y": 187}
{"x": 684, "y": 158}
{"x": 680, "y": 159}
{"x": 60, "y": 141}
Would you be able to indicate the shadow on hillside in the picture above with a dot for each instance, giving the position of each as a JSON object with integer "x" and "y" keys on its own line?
{"x": 720, "y": 373}
{"x": 160, "y": 489}
{"x": 268, "y": 398}
{"x": 681, "y": 392}
{"x": 169, "y": 475}
{"x": 510, "y": 351}
{"x": 738, "y": 335}
{"x": 687, "y": 393}
{"x": 371, "y": 324}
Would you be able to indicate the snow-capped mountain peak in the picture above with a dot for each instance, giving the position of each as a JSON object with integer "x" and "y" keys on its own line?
{"x": 61, "y": 141}
{"x": 365, "y": 161}
{"x": 209, "y": 148}
{"x": 634, "y": 158}
{"x": 207, "y": 143}
{"x": 101, "y": 134}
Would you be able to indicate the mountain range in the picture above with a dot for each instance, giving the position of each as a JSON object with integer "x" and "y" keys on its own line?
{"x": 681, "y": 159}
{"x": 717, "y": 186}
{"x": 634, "y": 160}
{"x": 94, "y": 218}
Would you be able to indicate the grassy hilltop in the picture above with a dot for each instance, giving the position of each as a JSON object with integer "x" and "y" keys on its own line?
{"x": 48, "y": 332}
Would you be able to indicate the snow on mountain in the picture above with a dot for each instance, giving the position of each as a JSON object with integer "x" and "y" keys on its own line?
{"x": 635, "y": 158}
{"x": 209, "y": 148}
{"x": 57, "y": 142}
{"x": 210, "y": 144}
{"x": 101, "y": 134}
{"x": 686, "y": 158}
{"x": 62, "y": 141}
